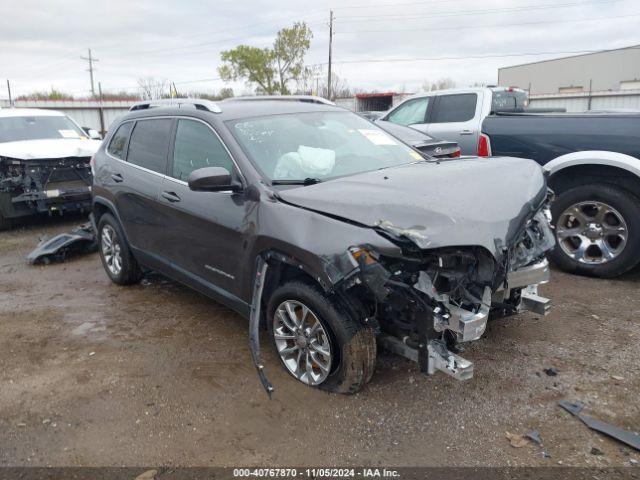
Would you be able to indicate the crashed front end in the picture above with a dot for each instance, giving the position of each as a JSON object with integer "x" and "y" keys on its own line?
{"x": 29, "y": 186}
{"x": 430, "y": 301}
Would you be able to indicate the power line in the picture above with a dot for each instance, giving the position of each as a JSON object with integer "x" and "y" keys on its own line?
{"x": 466, "y": 27}
{"x": 471, "y": 57}
{"x": 378, "y": 5}
{"x": 382, "y": 18}
{"x": 194, "y": 45}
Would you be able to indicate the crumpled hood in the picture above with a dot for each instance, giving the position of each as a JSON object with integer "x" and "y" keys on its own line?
{"x": 49, "y": 148}
{"x": 470, "y": 201}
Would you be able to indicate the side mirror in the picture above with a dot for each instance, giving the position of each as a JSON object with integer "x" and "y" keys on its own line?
{"x": 211, "y": 179}
{"x": 91, "y": 133}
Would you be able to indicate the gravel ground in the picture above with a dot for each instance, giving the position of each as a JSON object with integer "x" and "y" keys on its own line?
{"x": 92, "y": 374}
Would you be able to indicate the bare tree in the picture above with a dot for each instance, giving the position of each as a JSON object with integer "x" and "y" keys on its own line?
{"x": 441, "y": 84}
{"x": 153, "y": 89}
{"x": 313, "y": 81}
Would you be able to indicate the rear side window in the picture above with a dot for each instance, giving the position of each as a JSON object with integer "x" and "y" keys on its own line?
{"x": 455, "y": 108}
{"x": 197, "y": 146}
{"x": 410, "y": 112}
{"x": 119, "y": 141}
{"x": 149, "y": 144}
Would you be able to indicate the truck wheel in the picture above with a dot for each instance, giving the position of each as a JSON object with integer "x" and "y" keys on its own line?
{"x": 317, "y": 342}
{"x": 597, "y": 230}
{"x": 117, "y": 259}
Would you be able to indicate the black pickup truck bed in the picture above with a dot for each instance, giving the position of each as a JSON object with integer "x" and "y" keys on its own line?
{"x": 544, "y": 137}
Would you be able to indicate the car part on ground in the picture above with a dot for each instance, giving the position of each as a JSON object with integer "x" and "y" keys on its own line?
{"x": 44, "y": 164}
{"x": 625, "y": 436}
{"x": 421, "y": 141}
{"x": 311, "y": 207}
{"x": 80, "y": 240}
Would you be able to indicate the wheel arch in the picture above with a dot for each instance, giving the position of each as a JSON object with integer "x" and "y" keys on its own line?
{"x": 284, "y": 268}
{"x": 579, "y": 168}
{"x": 101, "y": 206}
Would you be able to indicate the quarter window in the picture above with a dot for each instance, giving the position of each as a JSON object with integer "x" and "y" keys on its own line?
{"x": 410, "y": 112}
{"x": 455, "y": 108}
{"x": 119, "y": 141}
{"x": 149, "y": 144}
{"x": 197, "y": 146}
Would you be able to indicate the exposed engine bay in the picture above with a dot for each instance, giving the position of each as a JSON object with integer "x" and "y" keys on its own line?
{"x": 44, "y": 185}
{"x": 425, "y": 304}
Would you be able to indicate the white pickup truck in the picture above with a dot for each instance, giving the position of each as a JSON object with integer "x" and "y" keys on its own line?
{"x": 456, "y": 115}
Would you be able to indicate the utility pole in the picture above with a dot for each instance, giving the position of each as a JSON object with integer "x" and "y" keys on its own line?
{"x": 101, "y": 110}
{"x": 330, "y": 46}
{"x": 90, "y": 59}
{"x": 9, "y": 90}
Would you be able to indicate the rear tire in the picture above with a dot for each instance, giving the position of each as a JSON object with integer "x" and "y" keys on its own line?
{"x": 352, "y": 346}
{"x": 117, "y": 259}
{"x": 603, "y": 246}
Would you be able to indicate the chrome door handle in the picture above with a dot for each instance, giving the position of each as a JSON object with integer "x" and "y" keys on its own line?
{"x": 467, "y": 132}
{"x": 117, "y": 177}
{"x": 171, "y": 196}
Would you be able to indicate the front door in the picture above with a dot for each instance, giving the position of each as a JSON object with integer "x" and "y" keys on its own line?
{"x": 203, "y": 232}
{"x": 411, "y": 113}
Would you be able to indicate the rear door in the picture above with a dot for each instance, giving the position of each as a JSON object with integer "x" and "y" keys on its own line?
{"x": 456, "y": 118}
{"x": 203, "y": 231}
{"x": 411, "y": 113}
{"x": 139, "y": 178}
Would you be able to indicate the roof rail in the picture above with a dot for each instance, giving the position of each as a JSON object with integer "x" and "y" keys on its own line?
{"x": 284, "y": 98}
{"x": 197, "y": 103}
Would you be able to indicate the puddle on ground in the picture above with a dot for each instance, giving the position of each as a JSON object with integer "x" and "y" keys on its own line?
{"x": 86, "y": 325}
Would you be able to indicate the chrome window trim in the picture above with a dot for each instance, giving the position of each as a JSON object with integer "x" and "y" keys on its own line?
{"x": 168, "y": 177}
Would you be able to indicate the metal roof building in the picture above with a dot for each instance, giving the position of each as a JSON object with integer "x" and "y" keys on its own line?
{"x": 614, "y": 70}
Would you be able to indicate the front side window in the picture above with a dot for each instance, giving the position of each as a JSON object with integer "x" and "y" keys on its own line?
{"x": 410, "y": 112}
{"x": 197, "y": 146}
{"x": 318, "y": 145}
{"x": 119, "y": 140}
{"x": 149, "y": 144}
{"x": 455, "y": 108}
{"x": 13, "y": 129}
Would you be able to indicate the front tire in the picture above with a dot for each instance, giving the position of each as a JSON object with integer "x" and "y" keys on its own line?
{"x": 597, "y": 230}
{"x": 318, "y": 343}
{"x": 117, "y": 259}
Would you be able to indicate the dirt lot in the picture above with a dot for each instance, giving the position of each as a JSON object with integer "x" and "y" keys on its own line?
{"x": 155, "y": 374}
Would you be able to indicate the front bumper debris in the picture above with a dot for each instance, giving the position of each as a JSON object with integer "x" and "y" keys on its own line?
{"x": 448, "y": 295}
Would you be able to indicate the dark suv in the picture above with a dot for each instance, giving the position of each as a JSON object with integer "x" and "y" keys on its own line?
{"x": 310, "y": 219}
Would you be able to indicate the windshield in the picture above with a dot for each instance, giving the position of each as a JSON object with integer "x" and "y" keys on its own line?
{"x": 318, "y": 145}
{"x": 13, "y": 129}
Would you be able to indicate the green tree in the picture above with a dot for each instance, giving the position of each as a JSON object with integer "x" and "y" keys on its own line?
{"x": 270, "y": 69}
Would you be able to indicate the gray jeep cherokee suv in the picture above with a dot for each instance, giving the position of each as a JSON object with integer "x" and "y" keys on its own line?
{"x": 310, "y": 219}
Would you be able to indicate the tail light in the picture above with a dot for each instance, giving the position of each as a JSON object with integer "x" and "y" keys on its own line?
{"x": 456, "y": 153}
{"x": 484, "y": 147}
